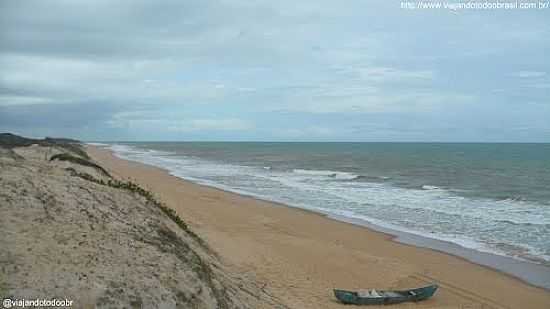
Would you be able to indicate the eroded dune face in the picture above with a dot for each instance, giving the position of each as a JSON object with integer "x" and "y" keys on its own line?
{"x": 70, "y": 236}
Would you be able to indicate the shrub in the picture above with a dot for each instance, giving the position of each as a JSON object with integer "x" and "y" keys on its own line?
{"x": 79, "y": 161}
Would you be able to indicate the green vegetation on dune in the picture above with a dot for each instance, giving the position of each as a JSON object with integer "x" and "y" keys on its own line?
{"x": 202, "y": 268}
{"x": 9, "y": 140}
{"x": 80, "y": 161}
{"x": 117, "y": 222}
{"x": 148, "y": 195}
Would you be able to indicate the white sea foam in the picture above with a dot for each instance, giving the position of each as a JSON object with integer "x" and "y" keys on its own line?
{"x": 331, "y": 174}
{"x": 463, "y": 241}
{"x": 431, "y": 212}
{"x": 428, "y": 187}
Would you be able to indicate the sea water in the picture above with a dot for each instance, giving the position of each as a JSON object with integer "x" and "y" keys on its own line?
{"x": 487, "y": 197}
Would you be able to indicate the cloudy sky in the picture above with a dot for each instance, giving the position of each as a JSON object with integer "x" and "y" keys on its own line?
{"x": 273, "y": 70}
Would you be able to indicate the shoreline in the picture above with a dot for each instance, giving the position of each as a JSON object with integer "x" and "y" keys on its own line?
{"x": 537, "y": 275}
{"x": 530, "y": 280}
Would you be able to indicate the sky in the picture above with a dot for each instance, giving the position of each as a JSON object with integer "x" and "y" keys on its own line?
{"x": 309, "y": 70}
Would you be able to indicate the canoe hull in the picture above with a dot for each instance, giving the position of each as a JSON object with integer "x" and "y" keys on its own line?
{"x": 389, "y": 297}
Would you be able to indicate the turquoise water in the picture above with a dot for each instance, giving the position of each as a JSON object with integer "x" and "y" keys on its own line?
{"x": 488, "y": 197}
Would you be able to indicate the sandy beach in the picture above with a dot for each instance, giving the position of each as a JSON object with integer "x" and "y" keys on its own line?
{"x": 300, "y": 256}
{"x": 71, "y": 235}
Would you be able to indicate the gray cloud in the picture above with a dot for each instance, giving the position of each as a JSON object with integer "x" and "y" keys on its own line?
{"x": 57, "y": 116}
{"x": 218, "y": 65}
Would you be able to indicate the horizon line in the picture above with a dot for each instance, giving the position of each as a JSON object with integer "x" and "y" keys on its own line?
{"x": 306, "y": 141}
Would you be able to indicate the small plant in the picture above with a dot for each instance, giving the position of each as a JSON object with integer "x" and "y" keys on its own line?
{"x": 200, "y": 267}
{"x": 69, "y": 158}
{"x": 8, "y": 140}
{"x": 148, "y": 195}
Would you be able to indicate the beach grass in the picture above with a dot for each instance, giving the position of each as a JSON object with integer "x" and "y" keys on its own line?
{"x": 80, "y": 161}
{"x": 148, "y": 195}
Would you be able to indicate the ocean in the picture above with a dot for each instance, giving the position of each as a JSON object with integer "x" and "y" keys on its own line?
{"x": 493, "y": 198}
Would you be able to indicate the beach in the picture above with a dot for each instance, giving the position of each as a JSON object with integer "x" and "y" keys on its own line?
{"x": 299, "y": 256}
{"x": 74, "y": 236}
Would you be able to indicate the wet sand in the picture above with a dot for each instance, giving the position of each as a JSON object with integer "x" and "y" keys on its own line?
{"x": 299, "y": 256}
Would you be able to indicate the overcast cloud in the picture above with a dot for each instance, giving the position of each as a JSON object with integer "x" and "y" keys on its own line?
{"x": 272, "y": 70}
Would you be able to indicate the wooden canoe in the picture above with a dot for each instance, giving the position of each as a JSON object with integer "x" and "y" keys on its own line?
{"x": 383, "y": 297}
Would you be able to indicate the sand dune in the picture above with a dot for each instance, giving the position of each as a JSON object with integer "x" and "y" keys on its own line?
{"x": 70, "y": 231}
